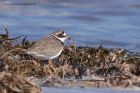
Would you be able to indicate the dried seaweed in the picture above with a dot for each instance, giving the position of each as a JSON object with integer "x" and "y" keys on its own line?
{"x": 115, "y": 66}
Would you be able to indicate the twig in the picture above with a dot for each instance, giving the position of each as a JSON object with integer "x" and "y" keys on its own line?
{"x": 12, "y": 51}
{"x": 14, "y": 38}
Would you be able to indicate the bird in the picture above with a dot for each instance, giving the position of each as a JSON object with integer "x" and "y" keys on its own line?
{"x": 49, "y": 47}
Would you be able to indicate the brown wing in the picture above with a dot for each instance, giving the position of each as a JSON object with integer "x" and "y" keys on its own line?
{"x": 47, "y": 46}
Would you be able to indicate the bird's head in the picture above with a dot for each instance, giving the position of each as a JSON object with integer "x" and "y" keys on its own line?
{"x": 61, "y": 35}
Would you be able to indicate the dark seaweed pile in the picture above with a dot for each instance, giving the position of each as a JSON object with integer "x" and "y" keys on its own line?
{"x": 116, "y": 67}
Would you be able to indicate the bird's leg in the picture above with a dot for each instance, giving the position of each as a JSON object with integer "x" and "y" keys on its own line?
{"x": 50, "y": 62}
{"x": 48, "y": 68}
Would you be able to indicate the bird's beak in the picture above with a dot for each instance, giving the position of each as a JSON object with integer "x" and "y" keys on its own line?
{"x": 68, "y": 38}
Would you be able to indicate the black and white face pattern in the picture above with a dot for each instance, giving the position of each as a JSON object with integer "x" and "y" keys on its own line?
{"x": 61, "y": 35}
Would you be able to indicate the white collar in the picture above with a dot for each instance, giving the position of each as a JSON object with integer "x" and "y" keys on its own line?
{"x": 61, "y": 39}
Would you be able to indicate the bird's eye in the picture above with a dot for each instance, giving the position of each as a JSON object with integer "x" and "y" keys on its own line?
{"x": 61, "y": 35}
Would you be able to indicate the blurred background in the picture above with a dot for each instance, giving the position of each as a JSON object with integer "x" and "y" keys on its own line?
{"x": 114, "y": 23}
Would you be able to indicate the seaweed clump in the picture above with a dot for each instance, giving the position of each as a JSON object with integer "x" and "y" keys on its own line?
{"x": 102, "y": 67}
{"x": 11, "y": 83}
